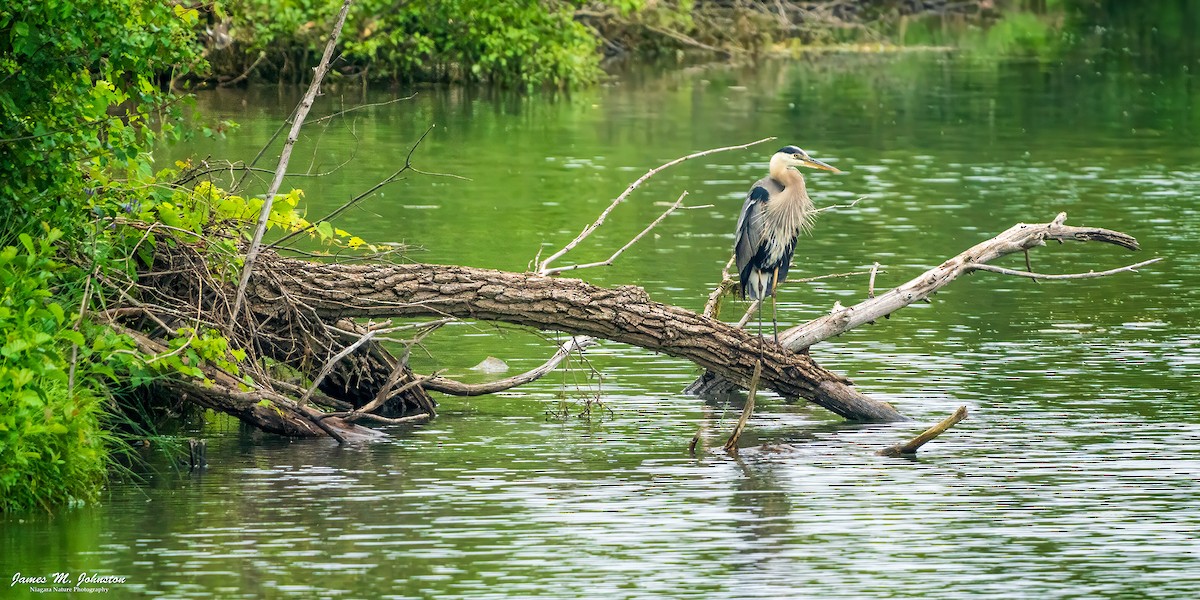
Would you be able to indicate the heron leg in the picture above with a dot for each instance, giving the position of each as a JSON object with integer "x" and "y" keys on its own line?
{"x": 760, "y": 329}
{"x": 774, "y": 289}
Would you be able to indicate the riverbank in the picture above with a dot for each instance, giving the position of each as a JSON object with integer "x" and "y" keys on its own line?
{"x": 551, "y": 44}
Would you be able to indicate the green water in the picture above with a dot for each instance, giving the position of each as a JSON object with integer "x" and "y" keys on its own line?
{"x": 1074, "y": 477}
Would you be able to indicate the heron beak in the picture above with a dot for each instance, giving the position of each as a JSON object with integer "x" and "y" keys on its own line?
{"x": 816, "y": 164}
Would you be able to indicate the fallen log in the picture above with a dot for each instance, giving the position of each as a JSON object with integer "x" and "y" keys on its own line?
{"x": 624, "y": 314}
{"x": 304, "y": 313}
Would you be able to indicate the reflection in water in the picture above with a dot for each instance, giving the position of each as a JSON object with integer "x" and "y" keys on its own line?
{"x": 1074, "y": 477}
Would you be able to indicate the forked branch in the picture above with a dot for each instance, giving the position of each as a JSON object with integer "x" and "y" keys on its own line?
{"x": 543, "y": 268}
{"x": 1018, "y": 238}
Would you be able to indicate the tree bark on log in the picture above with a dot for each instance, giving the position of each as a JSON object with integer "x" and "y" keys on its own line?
{"x": 624, "y": 314}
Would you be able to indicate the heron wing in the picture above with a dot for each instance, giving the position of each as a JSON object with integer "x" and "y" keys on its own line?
{"x": 749, "y": 239}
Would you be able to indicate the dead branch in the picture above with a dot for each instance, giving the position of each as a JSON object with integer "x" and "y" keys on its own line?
{"x": 355, "y": 200}
{"x": 455, "y": 388}
{"x": 285, "y": 155}
{"x": 544, "y": 267}
{"x": 245, "y": 74}
{"x": 609, "y": 261}
{"x": 731, "y": 445}
{"x": 332, "y": 362}
{"x": 910, "y": 447}
{"x": 1035, "y": 276}
{"x": 1017, "y": 238}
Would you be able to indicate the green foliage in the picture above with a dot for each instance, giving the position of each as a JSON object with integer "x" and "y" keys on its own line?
{"x": 512, "y": 42}
{"x": 51, "y": 447}
{"x": 80, "y": 91}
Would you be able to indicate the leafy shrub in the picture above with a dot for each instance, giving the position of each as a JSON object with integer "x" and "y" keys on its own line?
{"x": 79, "y": 91}
{"x": 52, "y": 449}
{"x": 509, "y": 42}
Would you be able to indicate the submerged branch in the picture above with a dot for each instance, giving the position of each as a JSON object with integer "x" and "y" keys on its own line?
{"x": 910, "y": 447}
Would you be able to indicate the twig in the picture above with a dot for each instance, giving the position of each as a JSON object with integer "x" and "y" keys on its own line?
{"x": 362, "y": 106}
{"x": 543, "y": 268}
{"x": 871, "y": 283}
{"x": 1036, "y": 276}
{"x": 455, "y": 388}
{"x": 609, "y": 261}
{"x": 284, "y": 156}
{"x": 837, "y": 206}
{"x": 245, "y": 74}
{"x": 365, "y": 410}
{"x": 731, "y": 445}
{"x": 329, "y": 364}
{"x": 910, "y": 447}
{"x": 355, "y": 200}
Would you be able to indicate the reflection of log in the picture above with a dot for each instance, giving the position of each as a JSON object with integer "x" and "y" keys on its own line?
{"x": 1018, "y": 238}
{"x": 624, "y": 314}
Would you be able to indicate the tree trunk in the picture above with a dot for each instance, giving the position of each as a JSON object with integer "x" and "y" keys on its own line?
{"x": 624, "y": 314}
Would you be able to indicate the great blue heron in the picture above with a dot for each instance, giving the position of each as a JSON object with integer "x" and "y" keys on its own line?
{"x": 776, "y": 211}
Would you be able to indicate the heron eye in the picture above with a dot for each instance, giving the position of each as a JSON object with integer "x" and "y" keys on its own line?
{"x": 798, "y": 156}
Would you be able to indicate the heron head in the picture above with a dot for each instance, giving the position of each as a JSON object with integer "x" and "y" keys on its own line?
{"x": 793, "y": 156}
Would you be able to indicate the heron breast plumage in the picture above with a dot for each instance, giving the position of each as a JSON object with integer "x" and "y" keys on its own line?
{"x": 774, "y": 216}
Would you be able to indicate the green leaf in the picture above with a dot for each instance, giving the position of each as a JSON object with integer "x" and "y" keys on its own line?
{"x": 72, "y": 336}
{"x": 56, "y": 310}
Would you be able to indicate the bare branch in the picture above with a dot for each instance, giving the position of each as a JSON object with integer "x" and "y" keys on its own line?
{"x": 1036, "y": 276}
{"x": 245, "y": 74}
{"x": 455, "y": 388}
{"x": 362, "y": 106}
{"x": 543, "y": 268}
{"x": 284, "y": 156}
{"x": 726, "y": 286}
{"x": 333, "y": 360}
{"x": 731, "y": 444}
{"x": 1017, "y": 238}
{"x": 609, "y": 261}
{"x": 355, "y": 200}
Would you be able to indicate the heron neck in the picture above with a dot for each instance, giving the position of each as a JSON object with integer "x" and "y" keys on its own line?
{"x": 785, "y": 175}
